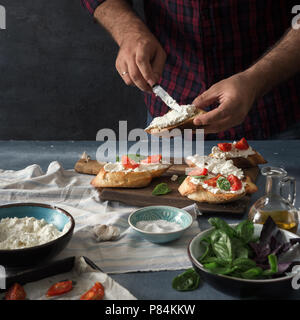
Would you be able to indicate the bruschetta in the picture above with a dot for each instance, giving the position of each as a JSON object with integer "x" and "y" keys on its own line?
{"x": 242, "y": 155}
{"x": 128, "y": 173}
{"x": 216, "y": 181}
{"x": 174, "y": 119}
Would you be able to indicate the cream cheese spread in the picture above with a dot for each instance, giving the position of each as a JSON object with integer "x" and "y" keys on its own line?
{"x": 215, "y": 167}
{"x": 173, "y": 117}
{"x": 233, "y": 153}
{"x": 117, "y": 167}
{"x": 18, "y": 233}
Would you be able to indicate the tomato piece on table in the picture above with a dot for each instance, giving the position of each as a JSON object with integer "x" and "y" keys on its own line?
{"x": 225, "y": 146}
{"x": 198, "y": 172}
{"x": 152, "y": 159}
{"x": 235, "y": 182}
{"x": 15, "y": 292}
{"x": 242, "y": 144}
{"x": 129, "y": 163}
{"x": 60, "y": 288}
{"x": 95, "y": 293}
{"x": 213, "y": 181}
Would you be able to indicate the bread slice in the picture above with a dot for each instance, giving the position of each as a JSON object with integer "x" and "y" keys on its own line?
{"x": 200, "y": 194}
{"x": 186, "y": 124}
{"x": 121, "y": 179}
{"x": 126, "y": 179}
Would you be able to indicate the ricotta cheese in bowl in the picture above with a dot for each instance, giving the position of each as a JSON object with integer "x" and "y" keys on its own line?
{"x": 19, "y": 233}
{"x": 31, "y": 233}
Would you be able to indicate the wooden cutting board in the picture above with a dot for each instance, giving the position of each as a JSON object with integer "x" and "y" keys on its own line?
{"x": 143, "y": 196}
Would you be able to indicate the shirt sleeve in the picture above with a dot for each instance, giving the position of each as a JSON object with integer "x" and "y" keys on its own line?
{"x": 91, "y": 5}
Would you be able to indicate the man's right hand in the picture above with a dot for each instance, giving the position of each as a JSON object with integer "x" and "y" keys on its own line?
{"x": 141, "y": 60}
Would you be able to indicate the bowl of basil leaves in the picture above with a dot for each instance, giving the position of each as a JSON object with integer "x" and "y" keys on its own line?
{"x": 247, "y": 259}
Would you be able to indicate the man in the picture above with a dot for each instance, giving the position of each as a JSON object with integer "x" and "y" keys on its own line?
{"x": 205, "y": 52}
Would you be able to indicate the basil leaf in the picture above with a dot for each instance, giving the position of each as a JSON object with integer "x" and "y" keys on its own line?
{"x": 219, "y": 269}
{"x": 186, "y": 281}
{"x": 273, "y": 265}
{"x": 181, "y": 179}
{"x": 244, "y": 264}
{"x": 199, "y": 177}
{"x": 207, "y": 250}
{"x": 245, "y": 230}
{"x": 239, "y": 249}
{"x": 216, "y": 260}
{"x": 136, "y": 157}
{"x": 252, "y": 273}
{"x": 222, "y": 225}
{"x": 161, "y": 189}
{"x": 117, "y": 159}
{"x": 221, "y": 245}
{"x": 223, "y": 184}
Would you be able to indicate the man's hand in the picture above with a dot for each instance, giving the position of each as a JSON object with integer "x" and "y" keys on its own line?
{"x": 235, "y": 96}
{"x": 140, "y": 60}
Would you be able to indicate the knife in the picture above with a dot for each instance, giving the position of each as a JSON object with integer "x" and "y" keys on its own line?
{"x": 166, "y": 98}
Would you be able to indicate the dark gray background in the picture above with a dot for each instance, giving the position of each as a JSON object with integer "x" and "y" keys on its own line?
{"x": 57, "y": 74}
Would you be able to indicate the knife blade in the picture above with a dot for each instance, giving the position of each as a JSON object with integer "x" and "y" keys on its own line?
{"x": 166, "y": 98}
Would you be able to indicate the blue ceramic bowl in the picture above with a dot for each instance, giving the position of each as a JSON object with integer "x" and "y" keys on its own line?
{"x": 37, "y": 254}
{"x": 152, "y": 213}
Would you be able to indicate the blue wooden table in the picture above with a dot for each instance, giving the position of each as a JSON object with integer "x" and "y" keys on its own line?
{"x": 16, "y": 155}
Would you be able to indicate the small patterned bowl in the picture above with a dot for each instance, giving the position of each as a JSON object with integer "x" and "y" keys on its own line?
{"x": 152, "y": 213}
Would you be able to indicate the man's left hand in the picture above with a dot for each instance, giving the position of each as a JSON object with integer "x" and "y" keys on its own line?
{"x": 235, "y": 96}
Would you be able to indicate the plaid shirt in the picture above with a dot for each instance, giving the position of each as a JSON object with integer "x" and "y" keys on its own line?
{"x": 209, "y": 40}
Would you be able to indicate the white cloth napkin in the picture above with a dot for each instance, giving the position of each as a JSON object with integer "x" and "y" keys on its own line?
{"x": 72, "y": 191}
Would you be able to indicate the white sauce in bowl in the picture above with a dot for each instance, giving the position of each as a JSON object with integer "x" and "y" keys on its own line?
{"x": 158, "y": 226}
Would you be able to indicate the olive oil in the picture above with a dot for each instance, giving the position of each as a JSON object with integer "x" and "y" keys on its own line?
{"x": 273, "y": 203}
{"x": 284, "y": 219}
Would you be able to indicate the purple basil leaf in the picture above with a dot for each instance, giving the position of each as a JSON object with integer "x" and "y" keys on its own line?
{"x": 282, "y": 267}
{"x": 269, "y": 228}
{"x": 261, "y": 252}
{"x": 272, "y": 241}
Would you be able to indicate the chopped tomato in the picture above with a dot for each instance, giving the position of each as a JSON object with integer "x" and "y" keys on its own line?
{"x": 242, "y": 144}
{"x": 152, "y": 159}
{"x": 198, "y": 172}
{"x": 213, "y": 181}
{"x": 15, "y": 292}
{"x": 225, "y": 146}
{"x": 60, "y": 288}
{"x": 129, "y": 163}
{"x": 95, "y": 293}
{"x": 235, "y": 182}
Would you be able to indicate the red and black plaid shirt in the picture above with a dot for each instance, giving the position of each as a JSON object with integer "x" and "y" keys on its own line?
{"x": 209, "y": 40}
